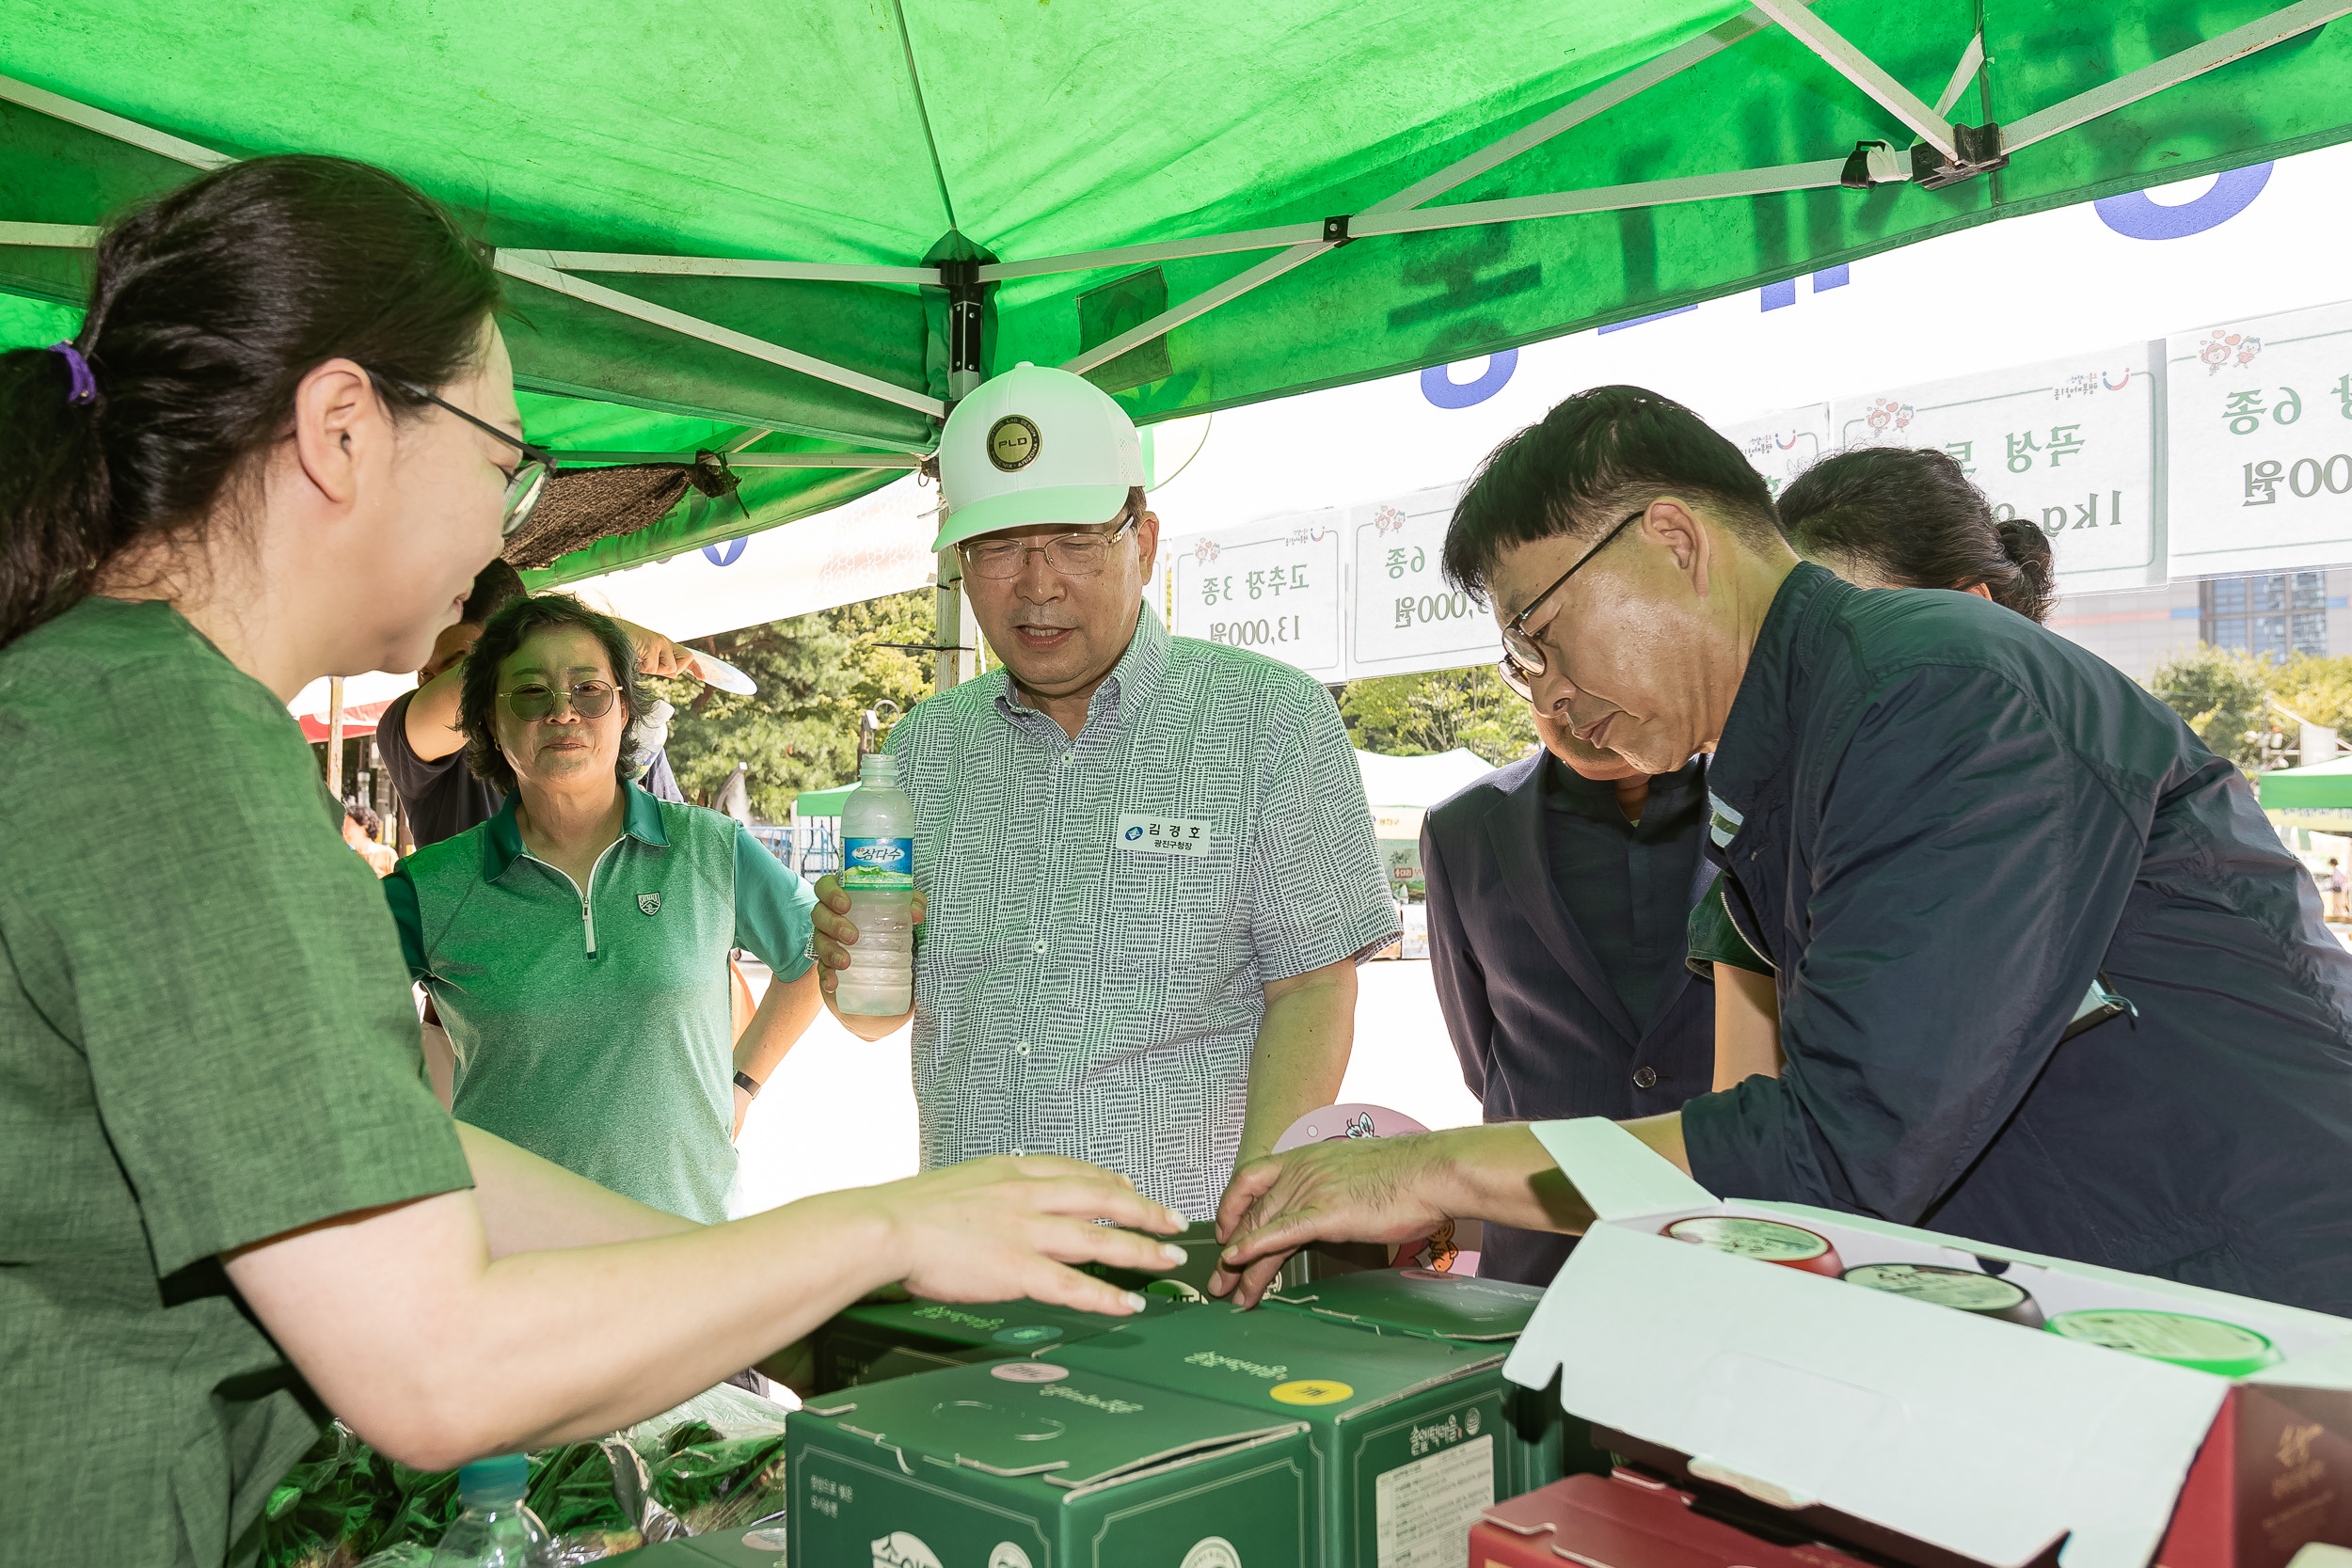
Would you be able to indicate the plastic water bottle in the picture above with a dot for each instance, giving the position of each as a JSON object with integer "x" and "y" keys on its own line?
{"x": 878, "y": 874}
{"x": 496, "y": 1530}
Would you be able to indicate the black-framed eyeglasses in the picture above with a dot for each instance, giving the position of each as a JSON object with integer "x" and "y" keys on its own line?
{"x": 1073, "y": 555}
{"x": 535, "y": 701}
{"x": 1522, "y": 656}
{"x": 525, "y": 483}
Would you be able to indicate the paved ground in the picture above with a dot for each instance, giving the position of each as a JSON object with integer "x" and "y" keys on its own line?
{"x": 840, "y": 1112}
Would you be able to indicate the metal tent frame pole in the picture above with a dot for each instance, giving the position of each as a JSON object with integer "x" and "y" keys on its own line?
{"x": 1863, "y": 72}
{"x": 514, "y": 264}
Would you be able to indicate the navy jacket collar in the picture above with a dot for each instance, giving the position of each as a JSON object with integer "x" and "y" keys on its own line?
{"x": 1757, "y": 733}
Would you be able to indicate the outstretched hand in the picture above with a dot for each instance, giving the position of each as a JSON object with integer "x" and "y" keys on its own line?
{"x": 1366, "y": 1190}
{"x": 1011, "y": 1227}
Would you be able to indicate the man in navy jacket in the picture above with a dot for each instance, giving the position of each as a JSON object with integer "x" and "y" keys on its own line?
{"x": 1946, "y": 823}
{"x": 1559, "y": 890}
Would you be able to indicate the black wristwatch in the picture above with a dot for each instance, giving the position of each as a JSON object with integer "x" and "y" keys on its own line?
{"x": 748, "y": 1085}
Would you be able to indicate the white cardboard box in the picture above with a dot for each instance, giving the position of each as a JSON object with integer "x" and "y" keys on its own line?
{"x": 1973, "y": 1435}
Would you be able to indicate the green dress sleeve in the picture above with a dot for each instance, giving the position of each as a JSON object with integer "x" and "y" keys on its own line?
{"x": 1715, "y": 941}
{"x": 188, "y": 916}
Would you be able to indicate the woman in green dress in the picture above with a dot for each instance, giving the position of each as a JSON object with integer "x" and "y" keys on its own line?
{"x": 280, "y": 446}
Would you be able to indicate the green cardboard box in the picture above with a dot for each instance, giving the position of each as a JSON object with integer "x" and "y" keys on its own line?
{"x": 1462, "y": 1310}
{"x": 1189, "y": 1280}
{"x": 1410, "y": 1436}
{"x": 876, "y": 1340}
{"x": 1017, "y": 1464}
{"x": 1419, "y": 1302}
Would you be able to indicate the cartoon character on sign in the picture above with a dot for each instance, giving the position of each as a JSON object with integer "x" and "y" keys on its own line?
{"x": 1887, "y": 414}
{"x": 1360, "y": 1128}
{"x": 1206, "y": 551}
{"x": 1388, "y": 519}
{"x": 2222, "y": 349}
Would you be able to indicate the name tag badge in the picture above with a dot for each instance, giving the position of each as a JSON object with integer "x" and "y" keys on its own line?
{"x": 1188, "y": 838}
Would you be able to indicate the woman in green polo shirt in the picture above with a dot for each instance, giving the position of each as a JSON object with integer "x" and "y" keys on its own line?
{"x": 281, "y": 443}
{"x": 1880, "y": 518}
{"x": 576, "y": 944}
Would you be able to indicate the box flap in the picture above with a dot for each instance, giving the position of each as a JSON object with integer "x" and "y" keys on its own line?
{"x": 1285, "y": 1363}
{"x": 1619, "y": 1175}
{"x": 1979, "y": 1437}
{"x": 1419, "y": 1302}
{"x": 1077, "y": 1429}
{"x": 1016, "y": 1325}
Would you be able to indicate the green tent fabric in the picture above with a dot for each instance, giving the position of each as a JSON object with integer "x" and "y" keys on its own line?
{"x": 2322, "y": 787}
{"x": 902, "y": 133}
{"x": 822, "y": 802}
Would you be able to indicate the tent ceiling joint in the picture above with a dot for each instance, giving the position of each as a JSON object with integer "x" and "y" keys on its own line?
{"x": 1979, "y": 151}
{"x": 1335, "y": 232}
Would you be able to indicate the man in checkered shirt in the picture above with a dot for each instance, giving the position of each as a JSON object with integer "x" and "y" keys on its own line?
{"x": 1146, "y": 861}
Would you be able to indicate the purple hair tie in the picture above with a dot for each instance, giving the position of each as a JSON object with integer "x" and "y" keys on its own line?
{"x": 85, "y": 385}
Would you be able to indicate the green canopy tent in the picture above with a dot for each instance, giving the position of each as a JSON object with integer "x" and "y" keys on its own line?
{"x": 791, "y": 234}
{"x": 2322, "y": 787}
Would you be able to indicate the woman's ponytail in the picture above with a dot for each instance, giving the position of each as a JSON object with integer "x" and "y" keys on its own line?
{"x": 208, "y": 306}
{"x": 2033, "y": 590}
{"x": 55, "y": 510}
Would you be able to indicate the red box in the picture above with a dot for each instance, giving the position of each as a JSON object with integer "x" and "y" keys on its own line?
{"x": 1626, "y": 1521}
{"x": 2274, "y": 1472}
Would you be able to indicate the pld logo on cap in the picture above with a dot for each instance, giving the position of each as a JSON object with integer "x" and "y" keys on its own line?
{"x": 1012, "y": 443}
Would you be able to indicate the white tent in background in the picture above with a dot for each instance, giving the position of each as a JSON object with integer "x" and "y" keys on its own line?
{"x": 1416, "y": 784}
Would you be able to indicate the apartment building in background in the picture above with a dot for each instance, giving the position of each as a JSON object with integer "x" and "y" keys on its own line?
{"x": 2273, "y": 616}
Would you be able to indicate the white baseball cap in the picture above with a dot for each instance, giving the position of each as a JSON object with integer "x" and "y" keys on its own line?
{"x": 1035, "y": 445}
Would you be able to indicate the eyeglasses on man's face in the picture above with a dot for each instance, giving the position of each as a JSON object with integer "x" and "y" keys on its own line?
{"x": 526, "y": 482}
{"x": 534, "y": 702}
{"x": 1073, "y": 555}
{"x": 1522, "y": 656}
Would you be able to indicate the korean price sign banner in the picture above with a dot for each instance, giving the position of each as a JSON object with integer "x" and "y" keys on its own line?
{"x": 1404, "y": 618}
{"x": 2067, "y": 444}
{"x": 1782, "y": 446}
{"x": 2259, "y": 443}
{"x": 1272, "y": 586}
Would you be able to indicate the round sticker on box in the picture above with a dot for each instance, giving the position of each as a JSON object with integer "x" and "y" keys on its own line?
{"x": 1028, "y": 1372}
{"x": 1311, "y": 1390}
{"x": 1212, "y": 1551}
{"x": 1026, "y": 1334}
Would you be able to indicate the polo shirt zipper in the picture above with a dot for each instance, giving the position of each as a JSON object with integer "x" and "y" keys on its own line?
{"x": 587, "y": 911}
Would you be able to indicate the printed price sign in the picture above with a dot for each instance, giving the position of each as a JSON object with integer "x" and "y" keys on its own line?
{"x": 1782, "y": 446}
{"x": 1404, "y": 617}
{"x": 2068, "y": 445}
{"x": 2259, "y": 443}
{"x": 1271, "y": 586}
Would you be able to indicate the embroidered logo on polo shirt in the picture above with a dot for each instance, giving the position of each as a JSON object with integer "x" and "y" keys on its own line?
{"x": 650, "y": 903}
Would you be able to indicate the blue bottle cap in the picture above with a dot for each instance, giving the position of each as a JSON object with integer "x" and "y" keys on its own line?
{"x": 500, "y": 1477}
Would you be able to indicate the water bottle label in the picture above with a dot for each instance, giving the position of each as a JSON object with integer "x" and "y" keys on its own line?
{"x": 878, "y": 864}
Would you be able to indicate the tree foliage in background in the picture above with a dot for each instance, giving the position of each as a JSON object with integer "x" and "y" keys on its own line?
{"x": 2319, "y": 690}
{"x": 1437, "y": 711}
{"x": 2224, "y": 697}
{"x": 817, "y": 674}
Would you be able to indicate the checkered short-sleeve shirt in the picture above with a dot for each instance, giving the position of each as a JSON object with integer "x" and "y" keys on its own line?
{"x": 1104, "y": 912}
